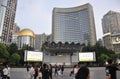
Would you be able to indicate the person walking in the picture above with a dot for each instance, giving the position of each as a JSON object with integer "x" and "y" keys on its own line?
{"x": 62, "y": 69}
{"x": 56, "y": 70}
{"x": 111, "y": 70}
{"x": 50, "y": 71}
{"x": 36, "y": 72}
{"x": 83, "y": 73}
{"x": 74, "y": 71}
{"x": 40, "y": 72}
{"x": 5, "y": 73}
{"x": 27, "y": 68}
{"x": 32, "y": 72}
{"x": 45, "y": 72}
{"x": 8, "y": 75}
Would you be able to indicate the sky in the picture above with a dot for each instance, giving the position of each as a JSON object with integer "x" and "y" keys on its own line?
{"x": 37, "y": 14}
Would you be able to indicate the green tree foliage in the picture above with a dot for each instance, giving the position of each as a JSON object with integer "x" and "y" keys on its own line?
{"x": 4, "y": 55}
{"x": 102, "y": 53}
{"x": 21, "y": 52}
{"x": 13, "y": 48}
{"x": 103, "y": 58}
{"x": 15, "y": 58}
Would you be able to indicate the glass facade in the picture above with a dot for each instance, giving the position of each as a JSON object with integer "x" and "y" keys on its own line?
{"x": 73, "y": 26}
{"x": 25, "y": 40}
{"x": 3, "y": 4}
{"x": 26, "y": 37}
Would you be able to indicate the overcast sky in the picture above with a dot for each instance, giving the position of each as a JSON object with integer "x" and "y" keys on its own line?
{"x": 37, "y": 14}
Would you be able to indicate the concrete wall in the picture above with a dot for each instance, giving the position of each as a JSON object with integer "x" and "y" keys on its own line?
{"x": 65, "y": 59}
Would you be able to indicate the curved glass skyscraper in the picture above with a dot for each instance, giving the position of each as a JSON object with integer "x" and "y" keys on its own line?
{"x": 74, "y": 24}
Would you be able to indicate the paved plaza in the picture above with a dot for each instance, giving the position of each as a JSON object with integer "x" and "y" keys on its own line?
{"x": 95, "y": 73}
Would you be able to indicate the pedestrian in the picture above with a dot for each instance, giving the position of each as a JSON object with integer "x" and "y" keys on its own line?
{"x": 40, "y": 72}
{"x": 1, "y": 72}
{"x": 27, "y": 68}
{"x": 45, "y": 72}
{"x": 32, "y": 72}
{"x": 36, "y": 72}
{"x": 111, "y": 70}
{"x": 8, "y": 75}
{"x": 59, "y": 70}
{"x": 74, "y": 71}
{"x": 83, "y": 73}
{"x": 56, "y": 70}
{"x": 62, "y": 69}
{"x": 5, "y": 73}
{"x": 50, "y": 71}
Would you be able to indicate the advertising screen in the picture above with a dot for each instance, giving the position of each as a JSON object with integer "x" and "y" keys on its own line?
{"x": 87, "y": 56}
{"x": 33, "y": 56}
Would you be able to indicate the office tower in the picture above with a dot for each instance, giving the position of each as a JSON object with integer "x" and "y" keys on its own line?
{"x": 111, "y": 30}
{"x": 16, "y": 28}
{"x": 2, "y": 15}
{"x": 7, "y": 13}
{"x": 40, "y": 39}
{"x": 74, "y": 24}
{"x": 15, "y": 31}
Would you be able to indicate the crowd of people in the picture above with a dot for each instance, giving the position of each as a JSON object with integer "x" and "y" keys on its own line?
{"x": 44, "y": 71}
{"x": 79, "y": 71}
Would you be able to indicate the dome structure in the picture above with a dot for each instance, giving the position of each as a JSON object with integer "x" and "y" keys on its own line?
{"x": 26, "y": 37}
{"x": 26, "y": 32}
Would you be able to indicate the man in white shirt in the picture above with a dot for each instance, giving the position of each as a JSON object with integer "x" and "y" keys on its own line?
{"x": 8, "y": 76}
{"x": 5, "y": 72}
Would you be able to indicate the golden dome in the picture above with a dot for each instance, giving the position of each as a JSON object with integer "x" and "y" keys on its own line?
{"x": 26, "y": 32}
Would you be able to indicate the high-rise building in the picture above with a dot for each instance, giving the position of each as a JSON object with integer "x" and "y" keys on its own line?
{"x": 7, "y": 13}
{"x": 16, "y": 28}
{"x": 3, "y": 5}
{"x": 74, "y": 24}
{"x": 111, "y": 30}
{"x": 111, "y": 22}
{"x": 15, "y": 31}
{"x": 40, "y": 39}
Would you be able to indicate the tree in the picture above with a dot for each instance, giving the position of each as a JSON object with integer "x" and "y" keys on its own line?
{"x": 15, "y": 58}
{"x": 102, "y": 59}
{"x": 21, "y": 52}
{"x": 4, "y": 55}
{"x": 13, "y": 48}
{"x": 102, "y": 53}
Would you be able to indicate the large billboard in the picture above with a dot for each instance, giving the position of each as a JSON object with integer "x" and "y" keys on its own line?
{"x": 33, "y": 56}
{"x": 87, "y": 57}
